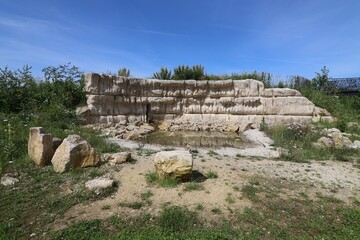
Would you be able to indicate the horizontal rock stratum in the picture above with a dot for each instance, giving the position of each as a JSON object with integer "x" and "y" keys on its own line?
{"x": 226, "y": 105}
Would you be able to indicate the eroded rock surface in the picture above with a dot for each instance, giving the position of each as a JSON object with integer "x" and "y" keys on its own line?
{"x": 99, "y": 183}
{"x": 117, "y": 158}
{"x": 334, "y": 138}
{"x": 227, "y": 105}
{"x": 175, "y": 164}
{"x": 72, "y": 153}
{"x": 40, "y": 146}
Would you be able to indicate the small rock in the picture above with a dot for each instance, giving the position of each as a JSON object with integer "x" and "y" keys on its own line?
{"x": 355, "y": 144}
{"x": 352, "y": 125}
{"x": 99, "y": 183}
{"x": 9, "y": 181}
{"x": 117, "y": 158}
{"x": 325, "y": 142}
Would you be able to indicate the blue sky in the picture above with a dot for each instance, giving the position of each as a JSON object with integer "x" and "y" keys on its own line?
{"x": 282, "y": 37}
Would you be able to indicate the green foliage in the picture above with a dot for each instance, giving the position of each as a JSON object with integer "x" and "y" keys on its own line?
{"x": 84, "y": 230}
{"x": 133, "y": 205}
{"x": 211, "y": 174}
{"x": 26, "y": 102}
{"x": 176, "y": 218}
{"x": 164, "y": 73}
{"x": 263, "y": 125}
{"x": 250, "y": 192}
{"x": 183, "y": 72}
{"x": 193, "y": 186}
{"x": 124, "y": 72}
{"x": 344, "y": 108}
{"x": 151, "y": 177}
{"x": 321, "y": 79}
{"x": 260, "y": 76}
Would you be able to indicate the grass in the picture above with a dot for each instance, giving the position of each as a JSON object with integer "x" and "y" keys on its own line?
{"x": 199, "y": 207}
{"x": 153, "y": 178}
{"x": 145, "y": 197}
{"x": 216, "y": 211}
{"x": 211, "y": 174}
{"x": 193, "y": 186}
{"x": 212, "y": 153}
{"x": 249, "y": 192}
{"x": 299, "y": 142}
{"x": 229, "y": 199}
{"x": 105, "y": 207}
{"x": 36, "y": 198}
{"x": 132, "y": 205}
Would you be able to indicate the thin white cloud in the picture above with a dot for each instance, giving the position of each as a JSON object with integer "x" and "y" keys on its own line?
{"x": 26, "y": 24}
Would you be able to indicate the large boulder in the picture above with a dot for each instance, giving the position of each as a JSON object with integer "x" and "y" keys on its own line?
{"x": 40, "y": 146}
{"x": 175, "y": 164}
{"x": 74, "y": 152}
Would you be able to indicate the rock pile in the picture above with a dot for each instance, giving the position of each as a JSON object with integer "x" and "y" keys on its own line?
{"x": 334, "y": 138}
{"x": 71, "y": 152}
{"x": 128, "y": 131}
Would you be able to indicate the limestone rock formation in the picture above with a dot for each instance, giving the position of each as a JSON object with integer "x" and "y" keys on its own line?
{"x": 226, "y": 105}
{"x": 100, "y": 183}
{"x": 175, "y": 164}
{"x": 40, "y": 146}
{"x": 334, "y": 138}
{"x": 72, "y": 153}
{"x": 117, "y": 158}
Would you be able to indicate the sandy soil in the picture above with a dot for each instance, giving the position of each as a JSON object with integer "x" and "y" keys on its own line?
{"x": 338, "y": 179}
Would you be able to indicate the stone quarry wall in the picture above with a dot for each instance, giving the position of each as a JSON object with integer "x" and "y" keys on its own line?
{"x": 226, "y": 105}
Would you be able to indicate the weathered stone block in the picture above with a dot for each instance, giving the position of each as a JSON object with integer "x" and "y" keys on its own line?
{"x": 74, "y": 152}
{"x": 174, "y": 165}
{"x": 40, "y": 146}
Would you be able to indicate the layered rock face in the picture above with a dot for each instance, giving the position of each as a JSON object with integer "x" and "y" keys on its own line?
{"x": 227, "y": 105}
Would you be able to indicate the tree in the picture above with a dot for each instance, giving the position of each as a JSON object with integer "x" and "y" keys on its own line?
{"x": 321, "y": 78}
{"x": 163, "y": 74}
{"x": 183, "y": 72}
{"x": 16, "y": 88}
{"x": 63, "y": 85}
{"x": 124, "y": 72}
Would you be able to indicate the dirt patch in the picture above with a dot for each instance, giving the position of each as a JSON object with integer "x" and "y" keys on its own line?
{"x": 222, "y": 196}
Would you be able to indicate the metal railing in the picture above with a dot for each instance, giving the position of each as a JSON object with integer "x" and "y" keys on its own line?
{"x": 344, "y": 85}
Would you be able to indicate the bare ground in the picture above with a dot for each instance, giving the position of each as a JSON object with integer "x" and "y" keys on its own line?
{"x": 287, "y": 179}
